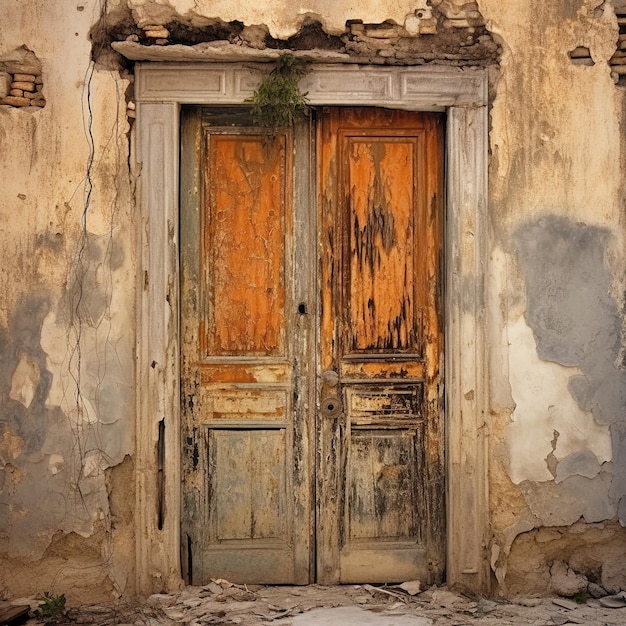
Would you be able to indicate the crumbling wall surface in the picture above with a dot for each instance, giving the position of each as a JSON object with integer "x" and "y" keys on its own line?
{"x": 66, "y": 329}
{"x": 555, "y": 272}
{"x": 556, "y": 314}
{"x": 284, "y": 19}
{"x": 444, "y": 31}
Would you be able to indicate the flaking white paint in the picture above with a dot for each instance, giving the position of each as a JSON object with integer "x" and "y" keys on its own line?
{"x": 25, "y": 380}
{"x": 544, "y": 405}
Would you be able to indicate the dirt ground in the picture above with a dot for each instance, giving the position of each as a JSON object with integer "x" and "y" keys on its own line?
{"x": 222, "y": 603}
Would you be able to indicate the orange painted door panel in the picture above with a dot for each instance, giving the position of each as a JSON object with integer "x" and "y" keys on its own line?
{"x": 381, "y": 474}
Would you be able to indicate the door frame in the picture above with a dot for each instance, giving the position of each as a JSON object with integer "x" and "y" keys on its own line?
{"x": 160, "y": 91}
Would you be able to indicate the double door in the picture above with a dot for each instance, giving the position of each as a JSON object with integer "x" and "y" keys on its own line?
{"x": 312, "y": 348}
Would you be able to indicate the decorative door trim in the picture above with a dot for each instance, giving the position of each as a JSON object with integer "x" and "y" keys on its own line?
{"x": 161, "y": 89}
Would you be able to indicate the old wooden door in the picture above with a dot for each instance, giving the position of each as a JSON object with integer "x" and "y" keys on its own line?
{"x": 246, "y": 343}
{"x": 275, "y": 361}
{"x": 380, "y": 451}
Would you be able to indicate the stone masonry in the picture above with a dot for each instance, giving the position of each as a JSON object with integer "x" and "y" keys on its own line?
{"x": 21, "y": 80}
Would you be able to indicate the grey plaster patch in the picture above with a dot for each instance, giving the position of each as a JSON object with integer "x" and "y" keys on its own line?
{"x": 583, "y": 463}
{"x": 90, "y": 293}
{"x": 577, "y": 497}
{"x": 576, "y": 322}
{"x": 51, "y": 463}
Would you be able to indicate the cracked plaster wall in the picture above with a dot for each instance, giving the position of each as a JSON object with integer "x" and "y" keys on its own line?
{"x": 557, "y": 378}
{"x": 283, "y": 19}
{"x": 66, "y": 319}
{"x": 555, "y": 283}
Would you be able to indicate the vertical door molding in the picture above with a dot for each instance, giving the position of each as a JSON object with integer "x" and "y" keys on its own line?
{"x": 160, "y": 89}
{"x": 466, "y": 348}
{"x": 157, "y": 456}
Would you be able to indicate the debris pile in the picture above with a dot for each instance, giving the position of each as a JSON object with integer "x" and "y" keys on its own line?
{"x": 227, "y": 604}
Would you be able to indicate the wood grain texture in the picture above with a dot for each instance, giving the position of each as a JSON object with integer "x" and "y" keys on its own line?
{"x": 381, "y": 508}
{"x": 244, "y": 244}
{"x": 245, "y": 460}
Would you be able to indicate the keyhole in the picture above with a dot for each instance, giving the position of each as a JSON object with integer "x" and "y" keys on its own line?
{"x": 302, "y": 308}
{"x": 330, "y": 406}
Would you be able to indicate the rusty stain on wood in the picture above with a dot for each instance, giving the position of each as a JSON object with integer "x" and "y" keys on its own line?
{"x": 391, "y": 370}
{"x": 380, "y": 295}
{"x": 245, "y": 373}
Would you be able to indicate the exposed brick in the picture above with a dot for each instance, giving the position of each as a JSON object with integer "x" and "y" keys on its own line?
{"x": 375, "y": 43}
{"x": 5, "y": 84}
{"x": 16, "y": 92}
{"x": 24, "y": 86}
{"x": 456, "y": 23}
{"x": 27, "y": 78}
{"x": 15, "y": 101}
{"x": 158, "y": 32}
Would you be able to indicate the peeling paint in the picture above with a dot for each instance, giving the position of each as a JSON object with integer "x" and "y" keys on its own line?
{"x": 543, "y": 406}
{"x": 584, "y": 463}
{"x": 24, "y": 381}
{"x": 576, "y": 323}
{"x": 557, "y": 154}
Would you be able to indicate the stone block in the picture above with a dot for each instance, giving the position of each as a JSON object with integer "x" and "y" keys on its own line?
{"x": 565, "y": 582}
{"x": 15, "y": 101}
{"x": 22, "y": 85}
{"x": 382, "y": 33}
{"x": 5, "y": 84}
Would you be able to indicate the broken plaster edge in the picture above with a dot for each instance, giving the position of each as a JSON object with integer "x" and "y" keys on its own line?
{"x": 134, "y": 51}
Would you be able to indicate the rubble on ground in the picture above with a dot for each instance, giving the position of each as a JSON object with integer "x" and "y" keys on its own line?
{"x": 225, "y": 603}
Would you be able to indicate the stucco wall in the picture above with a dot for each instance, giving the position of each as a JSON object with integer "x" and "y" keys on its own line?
{"x": 557, "y": 406}
{"x": 558, "y": 403}
{"x": 66, "y": 321}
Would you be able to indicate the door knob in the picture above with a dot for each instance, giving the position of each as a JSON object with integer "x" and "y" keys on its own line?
{"x": 330, "y": 378}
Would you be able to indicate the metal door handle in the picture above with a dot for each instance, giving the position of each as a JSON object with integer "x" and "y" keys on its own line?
{"x": 330, "y": 378}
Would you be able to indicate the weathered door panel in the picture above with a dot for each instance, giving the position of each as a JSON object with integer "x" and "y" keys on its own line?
{"x": 249, "y": 358}
{"x": 245, "y": 442}
{"x": 381, "y": 477}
